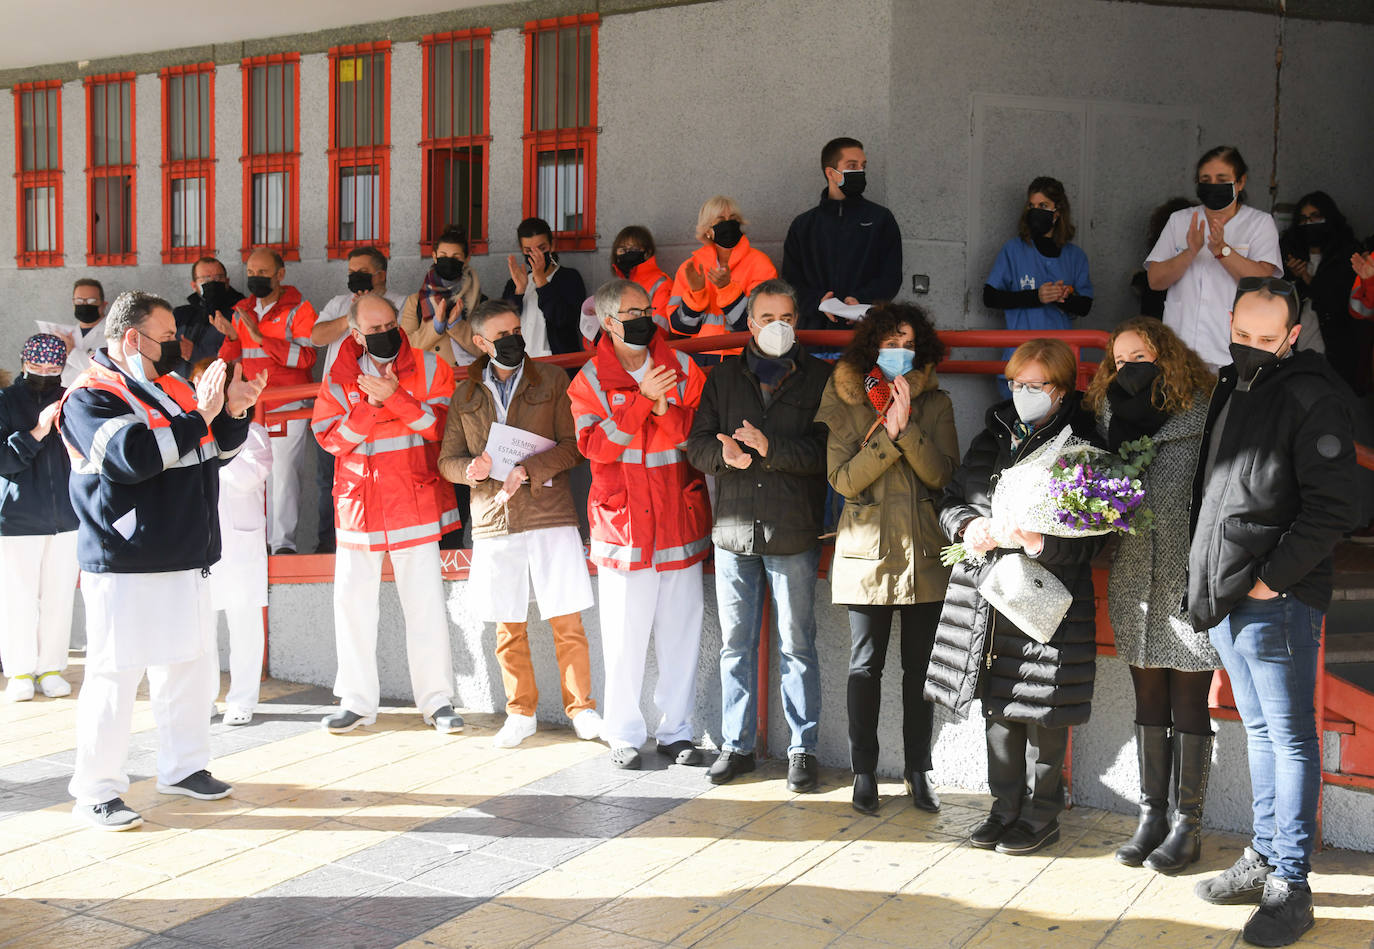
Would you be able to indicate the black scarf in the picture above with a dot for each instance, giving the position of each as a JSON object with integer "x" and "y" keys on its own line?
{"x": 1133, "y": 416}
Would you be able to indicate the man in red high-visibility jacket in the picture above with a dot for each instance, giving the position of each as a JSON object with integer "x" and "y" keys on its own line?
{"x": 271, "y": 331}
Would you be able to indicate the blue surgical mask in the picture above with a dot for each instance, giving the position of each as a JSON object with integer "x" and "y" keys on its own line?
{"x": 896, "y": 362}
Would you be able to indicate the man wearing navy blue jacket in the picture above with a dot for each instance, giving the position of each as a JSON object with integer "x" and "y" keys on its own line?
{"x": 146, "y": 450}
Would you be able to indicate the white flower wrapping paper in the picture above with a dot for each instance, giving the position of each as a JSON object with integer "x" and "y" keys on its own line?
{"x": 1022, "y": 495}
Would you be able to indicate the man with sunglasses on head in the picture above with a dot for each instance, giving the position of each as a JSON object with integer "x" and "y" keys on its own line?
{"x": 1271, "y": 498}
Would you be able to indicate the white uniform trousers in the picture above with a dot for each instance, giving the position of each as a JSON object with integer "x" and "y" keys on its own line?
{"x": 37, "y": 587}
{"x": 632, "y": 604}
{"x": 121, "y": 610}
{"x": 246, "y": 644}
{"x": 284, "y": 484}
{"x": 420, "y": 585}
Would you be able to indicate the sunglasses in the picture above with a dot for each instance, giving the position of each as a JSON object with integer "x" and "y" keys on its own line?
{"x": 1275, "y": 285}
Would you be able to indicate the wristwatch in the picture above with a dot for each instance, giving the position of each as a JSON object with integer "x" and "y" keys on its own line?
{"x": 1225, "y": 251}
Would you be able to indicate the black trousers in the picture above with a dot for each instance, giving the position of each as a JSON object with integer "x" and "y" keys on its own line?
{"x": 1026, "y": 787}
{"x": 870, "y": 628}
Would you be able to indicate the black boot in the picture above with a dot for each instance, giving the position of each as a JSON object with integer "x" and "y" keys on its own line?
{"x": 923, "y": 796}
{"x": 1183, "y": 846}
{"x": 1154, "y": 751}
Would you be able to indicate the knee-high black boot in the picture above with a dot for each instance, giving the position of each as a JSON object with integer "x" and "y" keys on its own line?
{"x": 1154, "y": 751}
{"x": 1192, "y": 764}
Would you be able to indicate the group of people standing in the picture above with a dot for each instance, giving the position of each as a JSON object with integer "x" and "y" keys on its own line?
{"x": 440, "y": 389}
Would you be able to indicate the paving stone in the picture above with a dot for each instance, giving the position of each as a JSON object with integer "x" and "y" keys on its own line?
{"x": 401, "y": 858}
{"x": 588, "y": 779}
{"x": 477, "y": 874}
{"x": 467, "y": 831}
{"x": 326, "y": 889}
{"x": 649, "y": 797}
{"x": 595, "y": 819}
{"x": 406, "y": 909}
{"x": 249, "y": 921}
{"x": 329, "y": 932}
{"x": 532, "y": 808}
{"x": 546, "y": 848}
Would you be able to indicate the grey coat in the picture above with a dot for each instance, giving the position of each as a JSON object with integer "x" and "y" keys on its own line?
{"x": 1148, "y": 580}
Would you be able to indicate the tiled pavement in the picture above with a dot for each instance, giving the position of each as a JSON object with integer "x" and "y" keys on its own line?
{"x": 397, "y": 836}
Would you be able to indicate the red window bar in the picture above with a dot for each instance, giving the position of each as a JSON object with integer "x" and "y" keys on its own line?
{"x": 38, "y": 173}
{"x": 560, "y": 127}
{"x": 188, "y": 162}
{"x": 111, "y": 171}
{"x": 455, "y": 150}
{"x": 359, "y": 147}
{"x": 271, "y": 154}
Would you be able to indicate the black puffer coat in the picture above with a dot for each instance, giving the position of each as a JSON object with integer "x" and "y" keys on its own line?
{"x": 978, "y": 652}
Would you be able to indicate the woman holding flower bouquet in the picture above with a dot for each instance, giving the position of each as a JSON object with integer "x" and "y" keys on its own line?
{"x": 1155, "y": 386}
{"x": 1032, "y": 691}
{"x": 891, "y": 449}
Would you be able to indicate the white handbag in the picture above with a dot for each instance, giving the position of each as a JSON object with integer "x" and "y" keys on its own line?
{"x": 1027, "y": 594}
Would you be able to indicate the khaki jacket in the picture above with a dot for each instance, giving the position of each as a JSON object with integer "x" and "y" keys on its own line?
{"x": 423, "y": 336}
{"x": 539, "y": 405}
{"x": 887, "y": 549}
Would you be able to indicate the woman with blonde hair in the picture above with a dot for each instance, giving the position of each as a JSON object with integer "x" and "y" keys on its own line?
{"x": 712, "y": 286}
{"x": 1151, "y": 384}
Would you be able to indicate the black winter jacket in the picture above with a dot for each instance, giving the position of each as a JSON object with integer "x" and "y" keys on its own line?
{"x": 560, "y": 300}
{"x": 1280, "y": 494}
{"x": 193, "y": 323}
{"x": 33, "y": 475}
{"x": 776, "y": 505}
{"x": 852, "y": 248}
{"x": 979, "y": 652}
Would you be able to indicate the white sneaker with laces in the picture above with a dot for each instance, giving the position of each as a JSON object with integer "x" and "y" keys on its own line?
{"x": 20, "y": 689}
{"x": 54, "y": 686}
{"x": 516, "y": 729}
{"x": 587, "y": 724}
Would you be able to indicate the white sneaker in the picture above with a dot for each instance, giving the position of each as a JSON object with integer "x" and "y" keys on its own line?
{"x": 54, "y": 686}
{"x": 20, "y": 689}
{"x": 516, "y": 729}
{"x": 587, "y": 724}
{"x": 234, "y": 715}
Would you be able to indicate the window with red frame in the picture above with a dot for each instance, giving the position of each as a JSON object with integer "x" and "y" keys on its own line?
{"x": 359, "y": 147}
{"x": 111, "y": 170}
{"x": 188, "y": 162}
{"x": 560, "y": 127}
{"x": 38, "y": 173}
{"x": 271, "y": 154}
{"x": 454, "y": 152}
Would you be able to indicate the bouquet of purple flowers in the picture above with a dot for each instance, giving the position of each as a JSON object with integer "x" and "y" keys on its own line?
{"x": 1069, "y": 488}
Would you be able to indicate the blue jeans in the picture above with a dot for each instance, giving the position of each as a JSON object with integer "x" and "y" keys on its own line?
{"x": 740, "y": 589}
{"x": 1269, "y": 649}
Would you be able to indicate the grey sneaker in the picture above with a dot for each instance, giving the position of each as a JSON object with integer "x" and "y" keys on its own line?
{"x": 113, "y": 814}
{"x": 445, "y": 720}
{"x": 202, "y": 786}
{"x": 1242, "y": 882}
{"x": 1284, "y": 914}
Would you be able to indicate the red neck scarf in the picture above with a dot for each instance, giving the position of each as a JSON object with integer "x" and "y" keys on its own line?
{"x": 879, "y": 390}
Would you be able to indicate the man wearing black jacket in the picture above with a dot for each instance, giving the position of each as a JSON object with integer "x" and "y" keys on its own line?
{"x": 208, "y": 310}
{"x": 846, "y": 247}
{"x": 1270, "y": 500}
{"x": 548, "y": 294}
{"x": 755, "y": 431}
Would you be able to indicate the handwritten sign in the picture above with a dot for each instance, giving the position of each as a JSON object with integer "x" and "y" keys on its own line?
{"x": 509, "y": 446}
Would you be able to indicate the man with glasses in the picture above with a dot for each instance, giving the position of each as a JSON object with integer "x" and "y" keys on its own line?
{"x": 88, "y": 336}
{"x": 1271, "y": 498}
{"x": 632, "y": 405}
{"x": 204, "y": 319}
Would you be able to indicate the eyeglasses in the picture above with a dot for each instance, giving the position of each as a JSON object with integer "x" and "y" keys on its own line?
{"x": 1029, "y": 386}
{"x": 1275, "y": 285}
{"x": 638, "y": 314}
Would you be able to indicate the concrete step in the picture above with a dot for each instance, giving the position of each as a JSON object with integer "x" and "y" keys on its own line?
{"x": 1344, "y": 648}
{"x": 1358, "y": 674}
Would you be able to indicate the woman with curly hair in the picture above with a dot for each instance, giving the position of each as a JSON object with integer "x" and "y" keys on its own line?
{"x": 891, "y": 449}
{"x": 1153, "y": 385}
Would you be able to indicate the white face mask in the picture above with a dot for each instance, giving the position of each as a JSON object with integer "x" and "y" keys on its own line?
{"x": 1031, "y": 406}
{"x": 776, "y": 339}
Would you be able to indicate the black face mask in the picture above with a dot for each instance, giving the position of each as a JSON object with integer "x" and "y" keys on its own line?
{"x": 1039, "y": 221}
{"x": 1217, "y": 197}
{"x": 628, "y": 260}
{"x": 639, "y": 330}
{"x": 212, "y": 293}
{"x": 359, "y": 282}
{"x": 1249, "y": 360}
{"x": 1136, "y": 377}
{"x": 550, "y": 259}
{"x": 87, "y": 314}
{"x": 853, "y": 183}
{"x": 510, "y": 351}
{"x": 384, "y": 345}
{"x": 448, "y": 269}
{"x": 260, "y": 286}
{"x": 41, "y": 384}
{"x": 726, "y": 233}
{"x": 1315, "y": 233}
{"x": 168, "y": 357}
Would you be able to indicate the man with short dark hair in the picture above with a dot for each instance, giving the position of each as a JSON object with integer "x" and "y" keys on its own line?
{"x": 87, "y": 337}
{"x": 206, "y": 314}
{"x": 1271, "y": 498}
{"x": 549, "y": 294}
{"x": 146, "y": 450}
{"x": 756, "y": 433}
{"x": 846, "y": 247}
{"x": 271, "y": 331}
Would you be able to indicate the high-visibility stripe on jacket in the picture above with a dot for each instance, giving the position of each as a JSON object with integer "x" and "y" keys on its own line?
{"x": 648, "y": 506}
{"x": 387, "y": 491}
{"x": 140, "y": 485}
{"x": 1362, "y": 299}
{"x": 285, "y": 351}
{"x": 713, "y": 309}
{"x": 650, "y": 276}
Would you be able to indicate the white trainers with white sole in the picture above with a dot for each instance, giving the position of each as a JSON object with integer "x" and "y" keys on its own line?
{"x": 516, "y": 729}
{"x": 587, "y": 724}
